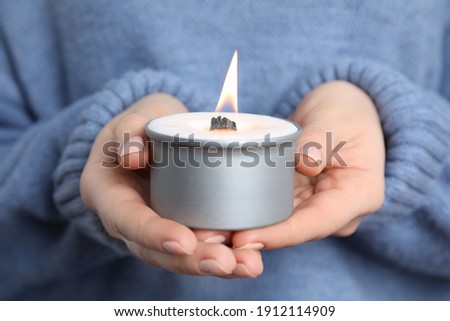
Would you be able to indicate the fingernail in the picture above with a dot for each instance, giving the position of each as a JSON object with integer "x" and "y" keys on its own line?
{"x": 134, "y": 145}
{"x": 242, "y": 271}
{"x": 251, "y": 246}
{"x": 213, "y": 267}
{"x": 174, "y": 247}
{"x": 215, "y": 239}
{"x": 313, "y": 153}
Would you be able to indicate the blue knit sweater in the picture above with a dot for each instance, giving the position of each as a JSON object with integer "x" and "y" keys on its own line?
{"x": 67, "y": 67}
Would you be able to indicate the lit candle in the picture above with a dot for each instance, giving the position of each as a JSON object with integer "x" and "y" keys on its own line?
{"x": 209, "y": 173}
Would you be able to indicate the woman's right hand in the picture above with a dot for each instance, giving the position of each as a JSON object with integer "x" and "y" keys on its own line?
{"x": 117, "y": 191}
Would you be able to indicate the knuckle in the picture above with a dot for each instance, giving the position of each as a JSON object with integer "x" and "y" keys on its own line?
{"x": 180, "y": 266}
{"x": 144, "y": 255}
{"x": 111, "y": 228}
{"x": 142, "y": 232}
{"x": 110, "y": 224}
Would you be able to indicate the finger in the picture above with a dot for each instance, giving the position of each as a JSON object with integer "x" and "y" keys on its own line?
{"x": 142, "y": 111}
{"x": 129, "y": 128}
{"x": 310, "y": 156}
{"x": 129, "y": 132}
{"x": 319, "y": 216}
{"x": 208, "y": 259}
{"x": 133, "y": 220}
{"x": 211, "y": 236}
{"x": 249, "y": 264}
{"x": 123, "y": 211}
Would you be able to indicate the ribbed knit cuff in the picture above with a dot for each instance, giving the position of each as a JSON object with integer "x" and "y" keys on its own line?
{"x": 117, "y": 96}
{"x": 415, "y": 125}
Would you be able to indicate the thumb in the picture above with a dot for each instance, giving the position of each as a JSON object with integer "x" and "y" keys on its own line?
{"x": 128, "y": 128}
{"x": 310, "y": 154}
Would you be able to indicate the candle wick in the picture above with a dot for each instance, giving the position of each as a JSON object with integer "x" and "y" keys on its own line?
{"x": 222, "y": 124}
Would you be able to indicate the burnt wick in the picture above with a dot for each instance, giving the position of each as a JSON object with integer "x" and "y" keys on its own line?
{"x": 222, "y": 124}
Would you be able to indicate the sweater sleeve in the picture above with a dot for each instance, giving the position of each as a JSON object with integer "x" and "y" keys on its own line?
{"x": 46, "y": 234}
{"x": 412, "y": 229}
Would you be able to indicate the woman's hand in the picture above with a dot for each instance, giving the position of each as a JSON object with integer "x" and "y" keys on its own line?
{"x": 340, "y": 170}
{"x": 118, "y": 193}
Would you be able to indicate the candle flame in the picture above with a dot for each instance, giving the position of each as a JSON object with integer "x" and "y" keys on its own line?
{"x": 229, "y": 94}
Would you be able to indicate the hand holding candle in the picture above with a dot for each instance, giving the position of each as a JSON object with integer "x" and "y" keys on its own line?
{"x": 333, "y": 194}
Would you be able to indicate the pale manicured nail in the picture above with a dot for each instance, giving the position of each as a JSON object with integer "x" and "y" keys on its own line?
{"x": 216, "y": 239}
{"x": 251, "y": 246}
{"x": 313, "y": 153}
{"x": 242, "y": 271}
{"x": 174, "y": 247}
{"x": 134, "y": 145}
{"x": 212, "y": 267}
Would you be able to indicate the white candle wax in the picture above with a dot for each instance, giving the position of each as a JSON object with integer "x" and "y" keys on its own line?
{"x": 250, "y": 127}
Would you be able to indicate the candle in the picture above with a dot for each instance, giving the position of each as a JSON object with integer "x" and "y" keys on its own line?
{"x": 209, "y": 173}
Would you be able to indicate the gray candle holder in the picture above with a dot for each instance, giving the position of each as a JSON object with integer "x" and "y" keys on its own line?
{"x": 222, "y": 185}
